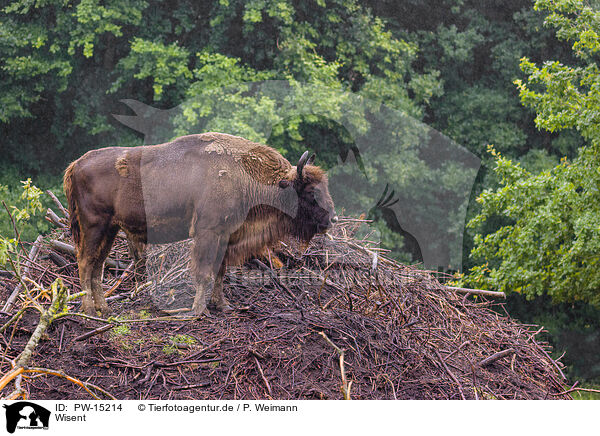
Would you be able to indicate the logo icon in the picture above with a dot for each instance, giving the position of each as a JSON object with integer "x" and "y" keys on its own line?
{"x": 24, "y": 414}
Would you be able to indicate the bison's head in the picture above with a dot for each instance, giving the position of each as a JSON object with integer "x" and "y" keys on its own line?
{"x": 315, "y": 213}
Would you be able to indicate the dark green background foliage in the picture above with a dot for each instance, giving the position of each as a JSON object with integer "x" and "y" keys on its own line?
{"x": 518, "y": 75}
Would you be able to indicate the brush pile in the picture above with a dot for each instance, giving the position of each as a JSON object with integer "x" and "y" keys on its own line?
{"x": 338, "y": 320}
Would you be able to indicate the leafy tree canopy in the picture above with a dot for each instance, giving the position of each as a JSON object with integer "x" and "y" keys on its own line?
{"x": 550, "y": 242}
{"x": 65, "y": 66}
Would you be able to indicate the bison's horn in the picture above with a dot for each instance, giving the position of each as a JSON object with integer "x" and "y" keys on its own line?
{"x": 304, "y": 160}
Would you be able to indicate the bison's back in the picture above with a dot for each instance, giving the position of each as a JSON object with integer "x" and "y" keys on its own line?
{"x": 221, "y": 176}
{"x": 209, "y": 179}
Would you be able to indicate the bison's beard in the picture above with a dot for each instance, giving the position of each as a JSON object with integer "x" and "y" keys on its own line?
{"x": 306, "y": 231}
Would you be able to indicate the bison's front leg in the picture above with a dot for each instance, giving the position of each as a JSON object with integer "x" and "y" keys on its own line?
{"x": 208, "y": 252}
{"x": 218, "y": 298}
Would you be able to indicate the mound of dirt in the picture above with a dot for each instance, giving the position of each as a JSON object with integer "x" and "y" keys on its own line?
{"x": 339, "y": 320}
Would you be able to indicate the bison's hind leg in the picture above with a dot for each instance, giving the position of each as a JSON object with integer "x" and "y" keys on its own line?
{"x": 86, "y": 267}
{"x": 208, "y": 252}
{"x": 137, "y": 251}
{"x": 93, "y": 247}
{"x": 103, "y": 249}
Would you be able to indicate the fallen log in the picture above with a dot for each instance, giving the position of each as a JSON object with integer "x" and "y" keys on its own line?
{"x": 57, "y": 259}
{"x": 69, "y": 249}
{"x": 494, "y": 294}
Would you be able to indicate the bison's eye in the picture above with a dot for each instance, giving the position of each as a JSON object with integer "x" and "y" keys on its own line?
{"x": 310, "y": 196}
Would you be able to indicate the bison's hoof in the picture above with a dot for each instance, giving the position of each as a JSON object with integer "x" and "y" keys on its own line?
{"x": 222, "y": 306}
{"x": 199, "y": 311}
{"x": 226, "y": 307}
{"x": 88, "y": 310}
{"x": 105, "y": 311}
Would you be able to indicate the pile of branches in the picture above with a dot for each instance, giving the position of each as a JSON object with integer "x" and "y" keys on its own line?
{"x": 336, "y": 319}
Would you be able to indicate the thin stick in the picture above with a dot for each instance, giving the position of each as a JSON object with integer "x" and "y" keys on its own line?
{"x": 17, "y": 234}
{"x": 195, "y": 386}
{"x": 595, "y": 391}
{"x": 14, "y": 318}
{"x": 346, "y": 386}
{"x": 58, "y": 306}
{"x": 10, "y": 375}
{"x": 549, "y": 357}
{"x": 452, "y": 376}
{"x": 120, "y": 280}
{"x": 84, "y": 385}
{"x": 94, "y": 332}
{"x": 30, "y": 259}
{"x": 56, "y": 201}
{"x": 52, "y": 218}
{"x": 205, "y": 349}
{"x": 262, "y": 374}
{"x": 275, "y": 279}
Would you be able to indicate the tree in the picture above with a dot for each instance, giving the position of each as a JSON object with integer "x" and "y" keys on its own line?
{"x": 550, "y": 240}
{"x": 66, "y": 66}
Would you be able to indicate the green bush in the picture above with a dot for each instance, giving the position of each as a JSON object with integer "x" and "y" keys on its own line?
{"x": 20, "y": 215}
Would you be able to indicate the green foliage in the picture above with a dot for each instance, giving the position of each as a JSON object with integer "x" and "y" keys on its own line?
{"x": 120, "y": 330}
{"x": 29, "y": 203}
{"x": 144, "y": 314}
{"x": 551, "y": 243}
{"x": 166, "y": 65}
{"x": 54, "y": 68}
{"x": 11, "y": 191}
{"x": 486, "y": 116}
{"x": 476, "y": 47}
{"x": 176, "y": 342}
{"x": 184, "y": 339}
{"x": 567, "y": 96}
{"x": 64, "y": 66}
{"x": 231, "y": 112}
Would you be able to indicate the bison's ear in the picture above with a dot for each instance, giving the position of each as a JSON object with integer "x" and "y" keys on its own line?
{"x": 284, "y": 183}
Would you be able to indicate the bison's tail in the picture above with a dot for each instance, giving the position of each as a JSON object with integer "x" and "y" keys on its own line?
{"x": 68, "y": 187}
